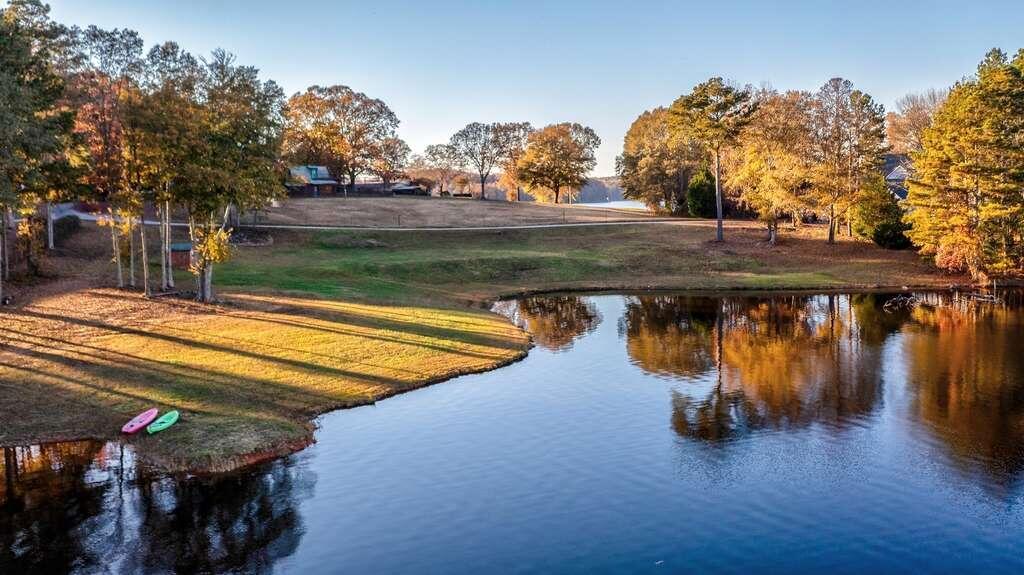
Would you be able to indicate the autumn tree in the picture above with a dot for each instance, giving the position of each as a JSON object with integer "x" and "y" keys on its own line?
{"x": 233, "y": 162}
{"x": 110, "y": 62}
{"x": 446, "y": 163}
{"x": 512, "y": 138}
{"x": 558, "y": 157}
{"x": 713, "y": 114}
{"x": 656, "y": 162}
{"x": 965, "y": 199}
{"x": 848, "y": 143}
{"x": 905, "y": 127}
{"x": 480, "y": 148}
{"x": 772, "y": 168}
{"x": 390, "y": 158}
{"x": 168, "y": 122}
{"x": 337, "y": 127}
{"x": 33, "y": 127}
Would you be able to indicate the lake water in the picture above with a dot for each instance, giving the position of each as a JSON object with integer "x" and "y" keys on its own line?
{"x": 643, "y": 434}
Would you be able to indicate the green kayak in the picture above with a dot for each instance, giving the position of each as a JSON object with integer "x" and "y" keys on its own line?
{"x": 166, "y": 420}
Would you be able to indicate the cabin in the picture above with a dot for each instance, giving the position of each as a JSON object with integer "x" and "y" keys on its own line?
{"x": 311, "y": 181}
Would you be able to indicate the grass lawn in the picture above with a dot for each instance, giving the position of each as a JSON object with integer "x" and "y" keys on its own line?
{"x": 476, "y": 266}
{"x": 246, "y": 376}
{"x": 322, "y": 320}
{"x": 436, "y": 212}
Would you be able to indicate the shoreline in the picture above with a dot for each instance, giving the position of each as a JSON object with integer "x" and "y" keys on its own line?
{"x": 243, "y": 461}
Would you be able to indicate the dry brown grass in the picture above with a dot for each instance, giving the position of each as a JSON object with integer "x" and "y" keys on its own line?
{"x": 436, "y": 212}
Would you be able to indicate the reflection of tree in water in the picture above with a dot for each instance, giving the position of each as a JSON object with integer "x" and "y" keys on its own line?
{"x": 44, "y": 500}
{"x": 53, "y": 520}
{"x": 671, "y": 335}
{"x": 966, "y": 367}
{"x": 777, "y": 363}
{"x": 556, "y": 321}
{"x": 238, "y": 524}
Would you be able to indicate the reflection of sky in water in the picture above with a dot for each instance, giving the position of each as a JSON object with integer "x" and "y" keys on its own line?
{"x": 750, "y": 434}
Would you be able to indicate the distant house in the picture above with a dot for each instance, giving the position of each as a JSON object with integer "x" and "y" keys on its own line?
{"x": 896, "y": 170}
{"x": 313, "y": 181}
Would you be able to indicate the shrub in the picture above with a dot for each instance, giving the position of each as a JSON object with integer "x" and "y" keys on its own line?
{"x": 879, "y": 217}
{"x": 700, "y": 195}
{"x": 890, "y": 235}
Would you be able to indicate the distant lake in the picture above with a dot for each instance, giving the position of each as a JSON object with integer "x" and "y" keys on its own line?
{"x": 645, "y": 433}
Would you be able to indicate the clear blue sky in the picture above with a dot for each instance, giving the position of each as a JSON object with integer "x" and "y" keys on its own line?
{"x": 441, "y": 64}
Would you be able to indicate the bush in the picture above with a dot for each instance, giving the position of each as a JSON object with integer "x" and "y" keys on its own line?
{"x": 700, "y": 195}
{"x": 64, "y": 227}
{"x": 879, "y": 217}
{"x": 891, "y": 236}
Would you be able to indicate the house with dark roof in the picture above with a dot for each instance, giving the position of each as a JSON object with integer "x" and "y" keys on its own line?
{"x": 312, "y": 181}
{"x": 896, "y": 170}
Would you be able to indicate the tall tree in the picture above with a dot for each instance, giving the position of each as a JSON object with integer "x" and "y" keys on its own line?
{"x": 33, "y": 127}
{"x": 234, "y": 163}
{"x": 446, "y": 163}
{"x": 966, "y": 200}
{"x": 905, "y": 127}
{"x": 109, "y": 68}
{"x": 480, "y": 148}
{"x": 168, "y": 123}
{"x": 390, "y": 159}
{"x": 713, "y": 114}
{"x": 512, "y": 138}
{"x": 772, "y": 166}
{"x": 559, "y": 157}
{"x": 848, "y": 142}
{"x": 656, "y": 163}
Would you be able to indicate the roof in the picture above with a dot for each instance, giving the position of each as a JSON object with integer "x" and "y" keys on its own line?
{"x": 317, "y": 175}
{"x": 898, "y": 174}
{"x": 898, "y": 191}
{"x": 896, "y": 167}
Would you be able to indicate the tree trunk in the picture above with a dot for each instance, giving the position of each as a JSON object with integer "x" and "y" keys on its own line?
{"x": 145, "y": 256}
{"x": 117, "y": 250}
{"x": 131, "y": 250}
{"x": 483, "y": 183}
{"x": 557, "y": 190}
{"x": 167, "y": 245}
{"x": 773, "y": 230}
{"x": 49, "y": 226}
{"x": 831, "y": 223}
{"x": 163, "y": 239}
{"x": 208, "y": 282}
{"x": 849, "y": 224}
{"x": 719, "y": 233}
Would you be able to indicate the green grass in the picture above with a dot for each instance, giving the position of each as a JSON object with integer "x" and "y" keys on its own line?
{"x": 437, "y": 268}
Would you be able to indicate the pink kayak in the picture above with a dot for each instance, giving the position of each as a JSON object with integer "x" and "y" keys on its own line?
{"x": 141, "y": 421}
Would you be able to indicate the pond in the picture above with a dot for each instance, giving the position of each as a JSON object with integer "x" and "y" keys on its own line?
{"x": 644, "y": 433}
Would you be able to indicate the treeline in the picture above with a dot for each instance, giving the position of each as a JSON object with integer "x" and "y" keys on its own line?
{"x": 780, "y": 154}
{"x": 819, "y": 155}
{"x": 351, "y": 134}
{"x": 89, "y": 115}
